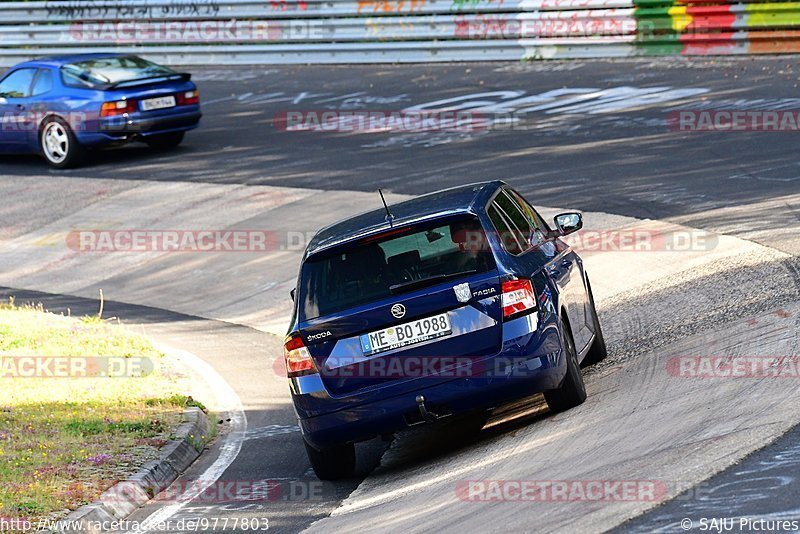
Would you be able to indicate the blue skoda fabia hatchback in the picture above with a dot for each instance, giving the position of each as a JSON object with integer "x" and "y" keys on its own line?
{"x": 451, "y": 303}
{"x": 60, "y": 106}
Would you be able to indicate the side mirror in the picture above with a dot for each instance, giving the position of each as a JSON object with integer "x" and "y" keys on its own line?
{"x": 568, "y": 223}
{"x": 292, "y": 293}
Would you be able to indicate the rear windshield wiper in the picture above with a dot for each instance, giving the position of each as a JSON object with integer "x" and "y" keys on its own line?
{"x": 415, "y": 284}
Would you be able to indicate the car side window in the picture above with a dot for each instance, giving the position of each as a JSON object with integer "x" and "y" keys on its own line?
{"x": 518, "y": 222}
{"x": 71, "y": 79}
{"x": 44, "y": 83}
{"x": 541, "y": 229}
{"x": 507, "y": 236}
{"x": 17, "y": 84}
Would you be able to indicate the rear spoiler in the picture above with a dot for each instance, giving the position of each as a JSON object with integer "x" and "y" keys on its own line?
{"x": 181, "y": 76}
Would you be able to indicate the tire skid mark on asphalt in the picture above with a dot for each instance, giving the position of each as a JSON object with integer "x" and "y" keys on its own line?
{"x": 270, "y": 431}
{"x": 759, "y": 487}
{"x": 773, "y": 222}
{"x": 703, "y": 446}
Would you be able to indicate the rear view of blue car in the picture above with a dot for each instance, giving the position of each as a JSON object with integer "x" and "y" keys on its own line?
{"x": 61, "y": 106}
{"x": 451, "y": 303}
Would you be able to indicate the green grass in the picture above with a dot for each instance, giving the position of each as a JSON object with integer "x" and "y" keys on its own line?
{"x": 65, "y": 440}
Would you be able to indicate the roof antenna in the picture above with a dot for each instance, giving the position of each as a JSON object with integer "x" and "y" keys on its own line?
{"x": 389, "y": 216}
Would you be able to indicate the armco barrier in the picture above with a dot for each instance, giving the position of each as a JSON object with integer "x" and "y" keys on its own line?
{"x": 381, "y": 31}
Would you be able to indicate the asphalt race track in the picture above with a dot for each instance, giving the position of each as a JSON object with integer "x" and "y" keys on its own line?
{"x": 613, "y": 160}
{"x": 595, "y": 136}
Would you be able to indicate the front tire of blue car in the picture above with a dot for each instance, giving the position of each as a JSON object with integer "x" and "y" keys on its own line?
{"x": 58, "y": 144}
{"x": 332, "y": 464}
{"x": 572, "y": 392}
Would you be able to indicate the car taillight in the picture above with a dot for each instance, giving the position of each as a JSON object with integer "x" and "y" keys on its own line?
{"x": 119, "y": 107}
{"x": 517, "y": 298}
{"x": 298, "y": 359}
{"x": 188, "y": 98}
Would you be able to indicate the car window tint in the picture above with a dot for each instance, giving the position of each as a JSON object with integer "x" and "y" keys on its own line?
{"x": 44, "y": 83}
{"x": 17, "y": 84}
{"x": 359, "y": 273}
{"x": 515, "y": 213}
{"x": 507, "y": 237}
{"x": 541, "y": 230}
{"x": 518, "y": 223}
{"x": 101, "y": 72}
{"x": 428, "y": 245}
{"x": 73, "y": 80}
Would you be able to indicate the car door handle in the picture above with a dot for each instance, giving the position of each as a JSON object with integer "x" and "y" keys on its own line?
{"x": 20, "y": 107}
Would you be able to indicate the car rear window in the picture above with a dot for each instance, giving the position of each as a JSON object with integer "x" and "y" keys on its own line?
{"x": 106, "y": 71}
{"x": 378, "y": 267}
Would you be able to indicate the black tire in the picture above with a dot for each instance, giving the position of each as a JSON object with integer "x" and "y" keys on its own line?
{"x": 165, "y": 141}
{"x": 334, "y": 463}
{"x": 58, "y": 144}
{"x": 572, "y": 391}
{"x": 598, "y": 352}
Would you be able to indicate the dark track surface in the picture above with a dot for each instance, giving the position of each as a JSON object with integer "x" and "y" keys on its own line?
{"x": 626, "y": 162}
{"x": 761, "y": 487}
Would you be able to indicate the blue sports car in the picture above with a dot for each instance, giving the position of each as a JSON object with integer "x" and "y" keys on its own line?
{"x": 61, "y": 106}
{"x": 450, "y": 303}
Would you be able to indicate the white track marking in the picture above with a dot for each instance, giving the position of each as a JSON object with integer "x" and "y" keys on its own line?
{"x": 231, "y": 445}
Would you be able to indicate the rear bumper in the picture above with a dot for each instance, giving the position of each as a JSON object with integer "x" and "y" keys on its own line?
{"x": 115, "y": 130}
{"x": 530, "y": 362}
{"x": 453, "y": 398}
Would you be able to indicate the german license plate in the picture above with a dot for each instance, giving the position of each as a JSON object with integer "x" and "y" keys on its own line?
{"x": 158, "y": 103}
{"x": 406, "y": 334}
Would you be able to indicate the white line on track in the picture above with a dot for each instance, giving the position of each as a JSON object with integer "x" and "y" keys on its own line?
{"x": 231, "y": 445}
